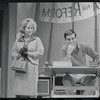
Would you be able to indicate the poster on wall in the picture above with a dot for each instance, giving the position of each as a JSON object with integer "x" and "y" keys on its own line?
{"x": 62, "y": 12}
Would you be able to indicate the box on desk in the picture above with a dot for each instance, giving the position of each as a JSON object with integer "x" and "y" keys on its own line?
{"x": 62, "y": 63}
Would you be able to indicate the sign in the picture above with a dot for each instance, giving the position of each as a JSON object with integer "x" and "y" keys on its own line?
{"x": 62, "y": 12}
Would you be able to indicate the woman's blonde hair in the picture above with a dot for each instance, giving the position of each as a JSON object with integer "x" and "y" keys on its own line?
{"x": 24, "y": 24}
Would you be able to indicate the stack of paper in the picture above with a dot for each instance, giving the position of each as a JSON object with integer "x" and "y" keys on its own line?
{"x": 62, "y": 63}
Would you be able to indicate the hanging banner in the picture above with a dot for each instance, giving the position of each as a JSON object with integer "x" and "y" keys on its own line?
{"x": 62, "y": 12}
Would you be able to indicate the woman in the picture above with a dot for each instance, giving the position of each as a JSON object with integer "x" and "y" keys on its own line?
{"x": 30, "y": 46}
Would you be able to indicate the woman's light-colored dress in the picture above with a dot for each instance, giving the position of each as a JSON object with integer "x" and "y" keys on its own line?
{"x": 26, "y": 83}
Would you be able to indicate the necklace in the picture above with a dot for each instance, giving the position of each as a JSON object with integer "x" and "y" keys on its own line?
{"x": 26, "y": 39}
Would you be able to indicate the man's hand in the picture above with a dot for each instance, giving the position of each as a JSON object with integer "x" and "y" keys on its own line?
{"x": 70, "y": 49}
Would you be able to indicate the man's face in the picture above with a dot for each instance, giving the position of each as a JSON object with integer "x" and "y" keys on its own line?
{"x": 71, "y": 39}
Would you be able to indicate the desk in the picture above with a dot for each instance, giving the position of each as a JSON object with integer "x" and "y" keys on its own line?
{"x": 73, "y": 70}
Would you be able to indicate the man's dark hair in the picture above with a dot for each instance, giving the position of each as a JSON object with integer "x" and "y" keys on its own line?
{"x": 69, "y": 32}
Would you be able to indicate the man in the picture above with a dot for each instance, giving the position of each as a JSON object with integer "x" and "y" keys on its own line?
{"x": 76, "y": 53}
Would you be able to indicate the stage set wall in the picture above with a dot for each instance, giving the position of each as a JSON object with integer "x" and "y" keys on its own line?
{"x": 18, "y": 11}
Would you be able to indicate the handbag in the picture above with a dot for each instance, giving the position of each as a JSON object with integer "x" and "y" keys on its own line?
{"x": 20, "y": 65}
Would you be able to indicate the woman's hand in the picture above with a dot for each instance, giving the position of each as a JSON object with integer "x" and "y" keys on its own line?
{"x": 23, "y": 52}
